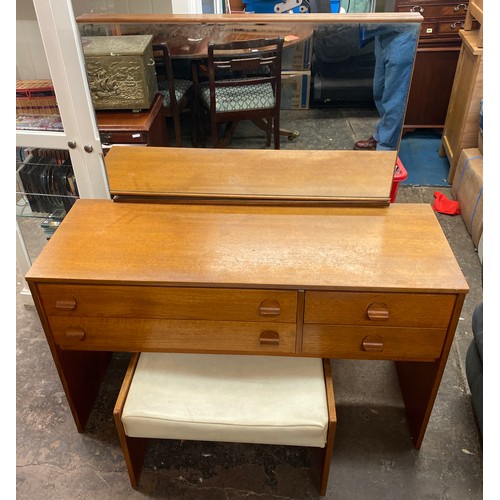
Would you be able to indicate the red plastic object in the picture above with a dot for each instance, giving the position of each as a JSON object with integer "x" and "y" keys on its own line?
{"x": 400, "y": 174}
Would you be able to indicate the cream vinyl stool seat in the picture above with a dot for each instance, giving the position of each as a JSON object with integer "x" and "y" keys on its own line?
{"x": 226, "y": 398}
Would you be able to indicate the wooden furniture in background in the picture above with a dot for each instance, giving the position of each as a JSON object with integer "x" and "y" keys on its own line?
{"x": 244, "y": 83}
{"x": 144, "y": 128}
{"x": 435, "y": 62}
{"x": 177, "y": 92}
{"x": 188, "y": 35}
{"x": 251, "y": 176}
{"x": 475, "y": 13}
{"x": 461, "y": 129}
{"x": 358, "y": 283}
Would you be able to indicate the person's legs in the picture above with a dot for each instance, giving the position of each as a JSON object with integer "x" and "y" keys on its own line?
{"x": 378, "y": 92}
{"x": 379, "y": 77}
{"x": 397, "y": 52}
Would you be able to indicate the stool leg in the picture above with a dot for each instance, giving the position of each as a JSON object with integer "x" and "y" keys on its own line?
{"x": 133, "y": 448}
{"x": 332, "y": 417}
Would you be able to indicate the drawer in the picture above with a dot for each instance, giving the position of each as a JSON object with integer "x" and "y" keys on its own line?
{"x": 124, "y": 137}
{"x": 169, "y": 302}
{"x": 429, "y": 10}
{"x": 429, "y": 29}
{"x": 378, "y": 309}
{"x": 133, "y": 334}
{"x": 450, "y": 27}
{"x": 358, "y": 342}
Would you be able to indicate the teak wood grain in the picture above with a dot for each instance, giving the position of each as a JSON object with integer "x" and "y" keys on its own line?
{"x": 168, "y": 302}
{"x": 228, "y": 174}
{"x": 399, "y": 248}
{"x": 360, "y": 283}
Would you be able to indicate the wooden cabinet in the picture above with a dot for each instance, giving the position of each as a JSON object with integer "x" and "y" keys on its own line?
{"x": 359, "y": 283}
{"x": 461, "y": 129}
{"x": 143, "y": 128}
{"x": 436, "y": 60}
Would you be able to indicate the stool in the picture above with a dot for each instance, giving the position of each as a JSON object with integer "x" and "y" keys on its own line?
{"x": 231, "y": 398}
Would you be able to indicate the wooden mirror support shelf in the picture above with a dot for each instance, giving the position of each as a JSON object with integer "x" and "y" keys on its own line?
{"x": 250, "y": 176}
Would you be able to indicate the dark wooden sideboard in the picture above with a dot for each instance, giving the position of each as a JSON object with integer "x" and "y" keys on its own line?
{"x": 435, "y": 62}
{"x": 126, "y": 127}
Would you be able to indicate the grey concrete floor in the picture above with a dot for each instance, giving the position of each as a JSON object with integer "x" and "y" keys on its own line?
{"x": 373, "y": 455}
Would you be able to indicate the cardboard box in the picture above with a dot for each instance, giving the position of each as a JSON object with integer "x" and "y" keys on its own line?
{"x": 467, "y": 189}
{"x": 298, "y": 57}
{"x": 295, "y": 89}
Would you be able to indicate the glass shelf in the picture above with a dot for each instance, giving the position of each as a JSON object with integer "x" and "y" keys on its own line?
{"x": 45, "y": 192}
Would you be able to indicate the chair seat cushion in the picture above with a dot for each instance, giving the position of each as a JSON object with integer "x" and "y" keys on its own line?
{"x": 181, "y": 88}
{"x": 232, "y": 398}
{"x": 240, "y": 98}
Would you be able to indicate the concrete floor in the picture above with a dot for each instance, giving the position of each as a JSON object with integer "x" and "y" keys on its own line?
{"x": 373, "y": 456}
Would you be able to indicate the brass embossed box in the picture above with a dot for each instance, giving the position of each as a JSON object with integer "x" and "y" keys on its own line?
{"x": 121, "y": 71}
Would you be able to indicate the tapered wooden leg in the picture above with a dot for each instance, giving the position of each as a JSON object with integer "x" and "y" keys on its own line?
{"x": 420, "y": 381}
{"x": 419, "y": 384}
{"x": 332, "y": 425}
{"x": 177, "y": 129}
{"x": 81, "y": 374}
{"x": 133, "y": 449}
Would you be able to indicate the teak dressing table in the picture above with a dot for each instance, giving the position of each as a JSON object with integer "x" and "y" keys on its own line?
{"x": 250, "y": 276}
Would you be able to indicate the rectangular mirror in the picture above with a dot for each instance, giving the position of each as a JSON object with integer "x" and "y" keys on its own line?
{"x": 374, "y": 47}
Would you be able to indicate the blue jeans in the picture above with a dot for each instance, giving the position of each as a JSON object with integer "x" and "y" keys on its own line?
{"x": 394, "y": 55}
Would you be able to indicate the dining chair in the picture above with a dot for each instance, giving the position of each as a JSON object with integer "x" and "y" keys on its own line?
{"x": 176, "y": 91}
{"x": 241, "y": 80}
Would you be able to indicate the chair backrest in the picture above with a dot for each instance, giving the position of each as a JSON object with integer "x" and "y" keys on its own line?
{"x": 164, "y": 70}
{"x": 245, "y": 62}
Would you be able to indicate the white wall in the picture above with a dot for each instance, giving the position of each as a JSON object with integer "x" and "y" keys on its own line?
{"x": 31, "y": 62}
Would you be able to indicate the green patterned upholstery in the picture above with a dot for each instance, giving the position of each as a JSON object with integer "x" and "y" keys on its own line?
{"x": 240, "y": 98}
{"x": 181, "y": 89}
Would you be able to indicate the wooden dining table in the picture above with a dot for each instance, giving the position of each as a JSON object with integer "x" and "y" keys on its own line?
{"x": 189, "y": 40}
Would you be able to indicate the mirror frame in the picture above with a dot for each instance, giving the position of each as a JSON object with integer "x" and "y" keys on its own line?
{"x": 115, "y": 20}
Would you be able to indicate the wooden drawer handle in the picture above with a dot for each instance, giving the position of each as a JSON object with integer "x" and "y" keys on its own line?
{"x": 377, "y": 311}
{"x": 269, "y": 307}
{"x": 373, "y": 343}
{"x": 269, "y": 337}
{"x": 74, "y": 333}
{"x": 66, "y": 304}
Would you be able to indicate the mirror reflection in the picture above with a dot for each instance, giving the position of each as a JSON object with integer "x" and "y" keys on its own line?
{"x": 344, "y": 85}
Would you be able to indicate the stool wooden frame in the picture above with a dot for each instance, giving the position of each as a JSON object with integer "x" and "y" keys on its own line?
{"x": 134, "y": 448}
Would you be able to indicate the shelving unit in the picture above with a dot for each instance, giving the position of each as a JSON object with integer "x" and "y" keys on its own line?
{"x": 78, "y": 138}
{"x": 461, "y": 129}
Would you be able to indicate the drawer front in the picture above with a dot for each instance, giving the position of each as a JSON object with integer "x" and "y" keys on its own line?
{"x": 132, "y": 334}
{"x": 170, "y": 303}
{"x": 378, "y": 309}
{"x": 429, "y": 29}
{"x": 450, "y": 27}
{"x": 124, "y": 137}
{"x": 415, "y": 344}
{"x": 452, "y": 10}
